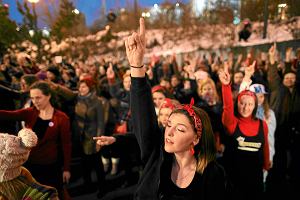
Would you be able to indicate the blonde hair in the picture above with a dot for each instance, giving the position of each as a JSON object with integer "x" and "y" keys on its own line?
{"x": 203, "y": 82}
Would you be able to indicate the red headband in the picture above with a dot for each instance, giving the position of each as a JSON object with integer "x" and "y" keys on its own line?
{"x": 196, "y": 118}
{"x": 157, "y": 88}
{"x": 167, "y": 104}
{"x": 246, "y": 92}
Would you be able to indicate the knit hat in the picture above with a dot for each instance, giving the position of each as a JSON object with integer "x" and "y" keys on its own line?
{"x": 14, "y": 151}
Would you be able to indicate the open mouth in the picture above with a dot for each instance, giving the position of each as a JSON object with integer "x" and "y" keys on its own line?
{"x": 169, "y": 141}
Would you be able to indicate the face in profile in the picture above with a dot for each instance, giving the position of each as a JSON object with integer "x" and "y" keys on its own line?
{"x": 179, "y": 134}
{"x": 246, "y": 105}
{"x": 39, "y": 100}
{"x": 158, "y": 98}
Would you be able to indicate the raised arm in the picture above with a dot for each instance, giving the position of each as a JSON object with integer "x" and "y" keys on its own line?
{"x": 273, "y": 77}
{"x": 114, "y": 86}
{"x": 228, "y": 119}
{"x": 64, "y": 92}
{"x": 15, "y": 115}
{"x": 249, "y": 71}
{"x": 14, "y": 94}
{"x": 145, "y": 126}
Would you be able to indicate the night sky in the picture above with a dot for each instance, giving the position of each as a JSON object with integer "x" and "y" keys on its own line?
{"x": 91, "y": 8}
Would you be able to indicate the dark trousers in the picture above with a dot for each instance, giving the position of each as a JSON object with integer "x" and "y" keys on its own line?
{"x": 284, "y": 177}
{"x": 90, "y": 163}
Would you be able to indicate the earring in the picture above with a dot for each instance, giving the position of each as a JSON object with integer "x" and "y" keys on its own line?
{"x": 192, "y": 151}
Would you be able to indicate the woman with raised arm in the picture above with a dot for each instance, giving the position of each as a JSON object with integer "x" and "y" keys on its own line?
{"x": 264, "y": 112}
{"x": 248, "y": 152}
{"x": 179, "y": 164}
{"x": 49, "y": 161}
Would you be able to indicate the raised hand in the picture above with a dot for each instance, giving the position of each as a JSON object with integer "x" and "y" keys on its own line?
{"x": 104, "y": 141}
{"x": 135, "y": 46}
{"x": 288, "y": 54}
{"x": 224, "y": 75}
{"x": 110, "y": 74}
{"x": 272, "y": 54}
{"x": 249, "y": 71}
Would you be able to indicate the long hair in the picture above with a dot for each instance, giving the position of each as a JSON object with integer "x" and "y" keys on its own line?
{"x": 205, "y": 150}
{"x": 266, "y": 107}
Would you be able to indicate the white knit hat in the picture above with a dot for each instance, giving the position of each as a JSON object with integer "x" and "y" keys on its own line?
{"x": 14, "y": 151}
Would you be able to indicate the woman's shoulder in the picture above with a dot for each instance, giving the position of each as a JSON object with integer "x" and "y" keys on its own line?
{"x": 61, "y": 114}
{"x": 214, "y": 173}
{"x": 214, "y": 168}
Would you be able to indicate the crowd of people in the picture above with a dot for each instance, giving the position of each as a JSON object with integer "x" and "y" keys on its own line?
{"x": 211, "y": 128}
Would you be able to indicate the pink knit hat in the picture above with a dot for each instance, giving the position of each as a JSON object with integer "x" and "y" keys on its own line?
{"x": 14, "y": 151}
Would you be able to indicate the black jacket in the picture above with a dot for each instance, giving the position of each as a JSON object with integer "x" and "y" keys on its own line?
{"x": 150, "y": 140}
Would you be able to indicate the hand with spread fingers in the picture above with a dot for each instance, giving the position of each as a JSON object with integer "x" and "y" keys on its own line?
{"x": 135, "y": 46}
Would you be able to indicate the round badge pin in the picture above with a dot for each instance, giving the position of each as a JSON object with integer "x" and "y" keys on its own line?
{"x": 51, "y": 124}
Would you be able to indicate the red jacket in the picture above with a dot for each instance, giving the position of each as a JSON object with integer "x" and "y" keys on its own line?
{"x": 57, "y": 136}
